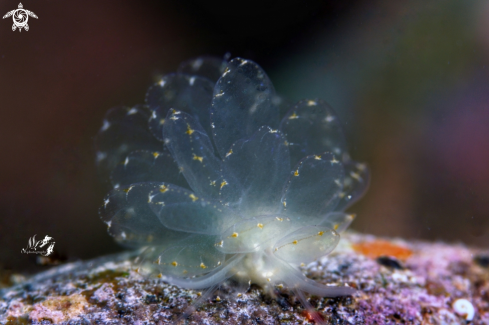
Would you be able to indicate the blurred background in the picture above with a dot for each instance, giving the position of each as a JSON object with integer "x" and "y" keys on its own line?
{"x": 410, "y": 80}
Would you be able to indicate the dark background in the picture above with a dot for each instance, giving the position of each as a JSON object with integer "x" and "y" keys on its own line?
{"x": 410, "y": 80}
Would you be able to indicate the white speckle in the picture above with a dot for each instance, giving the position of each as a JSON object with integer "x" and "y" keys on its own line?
{"x": 329, "y": 118}
{"x": 243, "y": 63}
{"x": 356, "y": 176}
{"x": 361, "y": 166}
{"x": 464, "y": 308}
{"x": 106, "y": 201}
{"x": 253, "y": 108}
{"x": 105, "y": 126}
{"x": 126, "y": 161}
{"x": 132, "y": 111}
{"x": 220, "y": 94}
{"x": 400, "y": 277}
{"x": 123, "y": 235}
{"x": 197, "y": 64}
{"x": 101, "y": 156}
{"x": 192, "y": 80}
{"x": 162, "y": 83}
{"x": 153, "y": 115}
{"x": 448, "y": 317}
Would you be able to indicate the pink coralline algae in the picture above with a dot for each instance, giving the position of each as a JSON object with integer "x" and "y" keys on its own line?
{"x": 424, "y": 288}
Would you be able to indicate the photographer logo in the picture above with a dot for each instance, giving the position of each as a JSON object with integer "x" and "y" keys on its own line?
{"x": 44, "y": 247}
{"x": 20, "y": 17}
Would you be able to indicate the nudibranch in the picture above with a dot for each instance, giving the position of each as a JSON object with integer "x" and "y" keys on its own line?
{"x": 222, "y": 178}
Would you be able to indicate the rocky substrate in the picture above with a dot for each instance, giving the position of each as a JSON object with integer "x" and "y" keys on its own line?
{"x": 398, "y": 282}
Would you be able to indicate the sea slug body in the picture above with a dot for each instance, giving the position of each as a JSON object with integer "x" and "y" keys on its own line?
{"x": 221, "y": 178}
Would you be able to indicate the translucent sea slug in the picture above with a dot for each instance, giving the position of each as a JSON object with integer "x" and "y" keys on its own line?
{"x": 221, "y": 178}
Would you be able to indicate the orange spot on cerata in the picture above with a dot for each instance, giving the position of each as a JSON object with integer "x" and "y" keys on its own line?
{"x": 379, "y": 248}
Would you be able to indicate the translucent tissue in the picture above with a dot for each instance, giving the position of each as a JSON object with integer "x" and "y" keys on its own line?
{"x": 220, "y": 178}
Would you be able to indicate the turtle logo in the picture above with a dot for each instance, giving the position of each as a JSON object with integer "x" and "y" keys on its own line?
{"x": 20, "y": 17}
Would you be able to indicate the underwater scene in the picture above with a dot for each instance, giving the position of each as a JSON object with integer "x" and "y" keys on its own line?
{"x": 253, "y": 163}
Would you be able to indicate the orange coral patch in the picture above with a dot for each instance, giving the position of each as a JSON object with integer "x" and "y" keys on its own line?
{"x": 382, "y": 248}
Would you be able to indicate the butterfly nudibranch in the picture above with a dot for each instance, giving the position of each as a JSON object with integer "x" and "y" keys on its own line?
{"x": 223, "y": 178}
